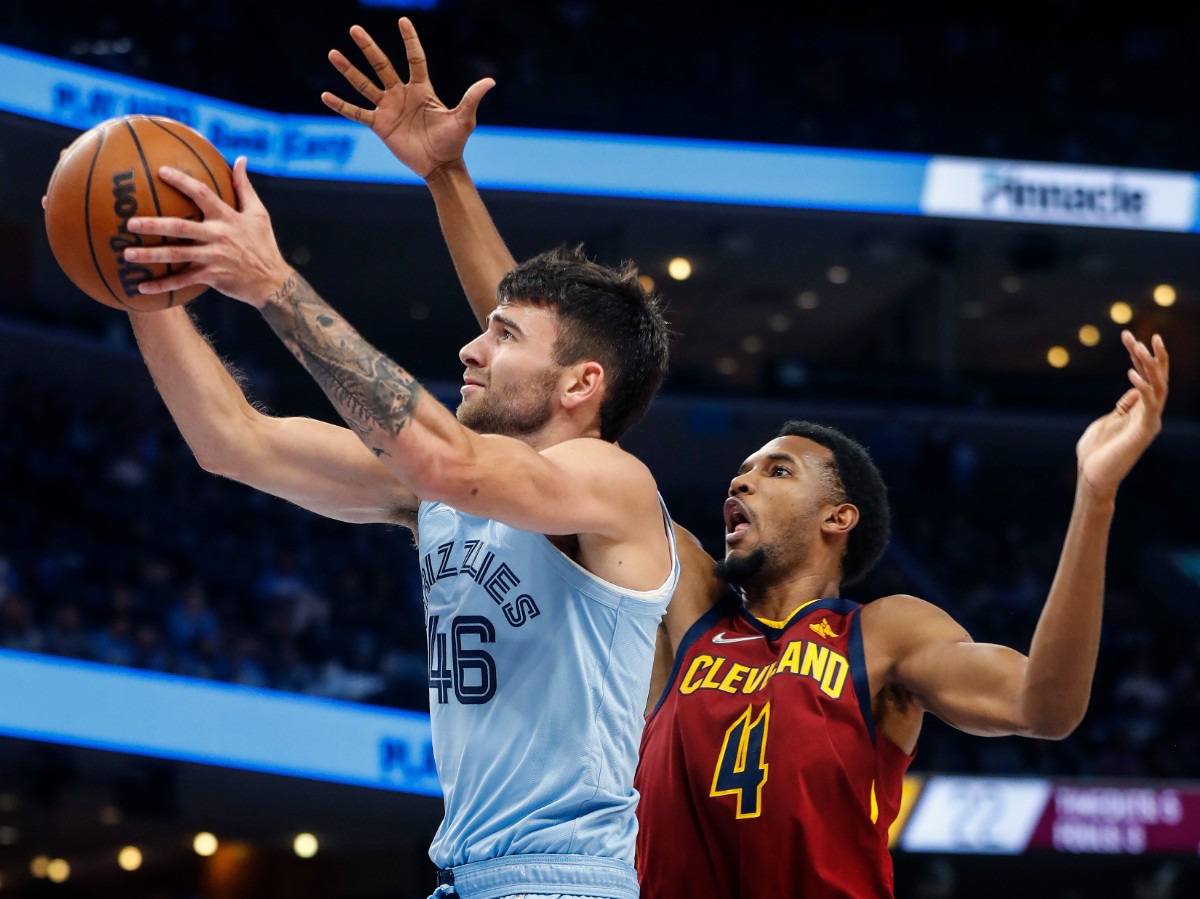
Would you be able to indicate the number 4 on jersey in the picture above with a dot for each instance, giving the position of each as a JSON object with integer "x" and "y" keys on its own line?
{"x": 742, "y": 767}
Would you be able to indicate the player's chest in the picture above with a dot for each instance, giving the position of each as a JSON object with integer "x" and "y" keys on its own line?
{"x": 739, "y": 706}
{"x": 729, "y": 668}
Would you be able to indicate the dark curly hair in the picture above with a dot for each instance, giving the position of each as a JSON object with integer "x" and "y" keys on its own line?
{"x": 604, "y": 314}
{"x": 860, "y": 483}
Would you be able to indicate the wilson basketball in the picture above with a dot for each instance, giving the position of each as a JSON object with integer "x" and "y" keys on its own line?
{"x": 110, "y": 174}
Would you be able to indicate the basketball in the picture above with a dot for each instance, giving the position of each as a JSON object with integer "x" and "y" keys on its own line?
{"x": 110, "y": 174}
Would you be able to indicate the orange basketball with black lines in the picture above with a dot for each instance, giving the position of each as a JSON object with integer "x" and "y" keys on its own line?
{"x": 110, "y": 174}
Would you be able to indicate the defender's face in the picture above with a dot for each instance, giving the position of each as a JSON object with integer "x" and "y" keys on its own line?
{"x": 775, "y": 497}
{"x": 508, "y": 386}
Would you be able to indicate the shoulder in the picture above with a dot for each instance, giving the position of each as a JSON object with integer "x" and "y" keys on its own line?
{"x": 605, "y": 468}
{"x": 896, "y": 626}
{"x": 698, "y": 572}
{"x": 594, "y": 450}
{"x": 907, "y": 616}
{"x": 698, "y": 568}
{"x": 896, "y": 608}
{"x": 699, "y": 588}
{"x": 690, "y": 546}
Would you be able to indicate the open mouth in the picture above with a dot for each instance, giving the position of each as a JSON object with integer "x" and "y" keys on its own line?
{"x": 737, "y": 519}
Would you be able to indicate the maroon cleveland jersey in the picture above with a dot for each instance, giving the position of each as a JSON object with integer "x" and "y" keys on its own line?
{"x": 761, "y": 773}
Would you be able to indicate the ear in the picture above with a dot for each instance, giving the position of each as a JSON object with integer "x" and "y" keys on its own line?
{"x": 580, "y": 383}
{"x": 840, "y": 519}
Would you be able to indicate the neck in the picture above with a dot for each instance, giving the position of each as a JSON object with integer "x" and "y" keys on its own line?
{"x": 559, "y": 430}
{"x": 776, "y": 600}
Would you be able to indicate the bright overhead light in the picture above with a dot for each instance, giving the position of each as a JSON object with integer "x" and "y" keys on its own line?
{"x": 1058, "y": 356}
{"x": 647, "y": 283}
{"x": 1164, "y": 295}
{"x": 1120, "y": 312}
{"x": 838, "y": 274}
{"x": 58, "y": 870}
{"x": 205, "y": 843}
{"x": 808, "y": 300}
{"x": 1089, "y": 335}
{"x": 305, "y": 845}
{"x": 679, "y": 268}
{"x": 129, "y": 858}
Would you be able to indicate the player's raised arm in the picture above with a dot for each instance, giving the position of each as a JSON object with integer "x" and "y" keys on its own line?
{"x": 994, "y": 690}
{"x": 429, "y": 138}
{"x": 319, "y": 466}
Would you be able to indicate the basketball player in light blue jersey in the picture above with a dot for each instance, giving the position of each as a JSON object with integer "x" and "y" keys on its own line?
{"x": 546, "y": 554}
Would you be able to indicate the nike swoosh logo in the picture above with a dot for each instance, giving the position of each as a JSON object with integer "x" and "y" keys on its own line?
{"x": 721, "y": 638}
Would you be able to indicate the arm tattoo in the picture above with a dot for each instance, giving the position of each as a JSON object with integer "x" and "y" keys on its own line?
{"x": 374, "y": 395}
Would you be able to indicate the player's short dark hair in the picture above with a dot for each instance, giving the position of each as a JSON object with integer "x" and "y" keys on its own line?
{"x": 861, "y": 484}
{"x": 604, "y": 314}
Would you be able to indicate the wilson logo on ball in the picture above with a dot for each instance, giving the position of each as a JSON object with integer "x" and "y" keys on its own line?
{"x": 105, "y": 178}
{"x": 125, "y": 207}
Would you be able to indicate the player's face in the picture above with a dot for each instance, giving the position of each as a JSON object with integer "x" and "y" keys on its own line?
{"x": 774, "y": 505}
{"x": 510, "y": 378}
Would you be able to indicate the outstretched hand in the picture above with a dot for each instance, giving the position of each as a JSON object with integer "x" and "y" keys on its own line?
{"x": 1111, "y": 445}
{"x": 230, "y": 249}
{"x": 416, "y": 126}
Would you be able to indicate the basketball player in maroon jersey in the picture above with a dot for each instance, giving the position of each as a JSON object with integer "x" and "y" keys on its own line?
{"x": 773, "y": 761}
{"x": 782, "y": 718}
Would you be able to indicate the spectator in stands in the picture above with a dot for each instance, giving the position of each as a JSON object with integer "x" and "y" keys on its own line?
{"x": 66, "y": 634}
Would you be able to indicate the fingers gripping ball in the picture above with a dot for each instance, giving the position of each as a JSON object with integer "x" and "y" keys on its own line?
{"x": 107, "y": 176}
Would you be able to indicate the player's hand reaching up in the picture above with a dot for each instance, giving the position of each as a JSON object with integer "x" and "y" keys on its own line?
{"x": 1111, "y": 445}
{"x": 417, "y": 127}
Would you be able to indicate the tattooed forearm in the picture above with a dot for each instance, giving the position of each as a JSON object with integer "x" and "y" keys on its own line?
{"x": 374, "y": 395}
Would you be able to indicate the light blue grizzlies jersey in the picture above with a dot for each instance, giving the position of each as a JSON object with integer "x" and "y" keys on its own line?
{"x": 538, "y": 678}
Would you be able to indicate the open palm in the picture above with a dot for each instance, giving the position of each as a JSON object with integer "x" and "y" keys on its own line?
{"x": 1112, "y": 444}
{"x": 416, "y": 126}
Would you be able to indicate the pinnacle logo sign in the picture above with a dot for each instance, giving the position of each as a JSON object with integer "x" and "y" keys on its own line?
{"x": 1008, "y": 191}
{"x": 1060, "y": 194}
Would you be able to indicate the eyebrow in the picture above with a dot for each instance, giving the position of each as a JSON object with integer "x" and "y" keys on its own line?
{"x": 506, "y": 321}
{"x": 772, "y": 457}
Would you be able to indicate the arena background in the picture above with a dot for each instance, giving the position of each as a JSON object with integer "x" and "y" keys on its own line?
{"x": 133, "y": 586}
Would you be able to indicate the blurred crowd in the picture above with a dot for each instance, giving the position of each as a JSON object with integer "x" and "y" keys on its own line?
{"x": 115, "y": 547}
{"x": 1080, "y": 83}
